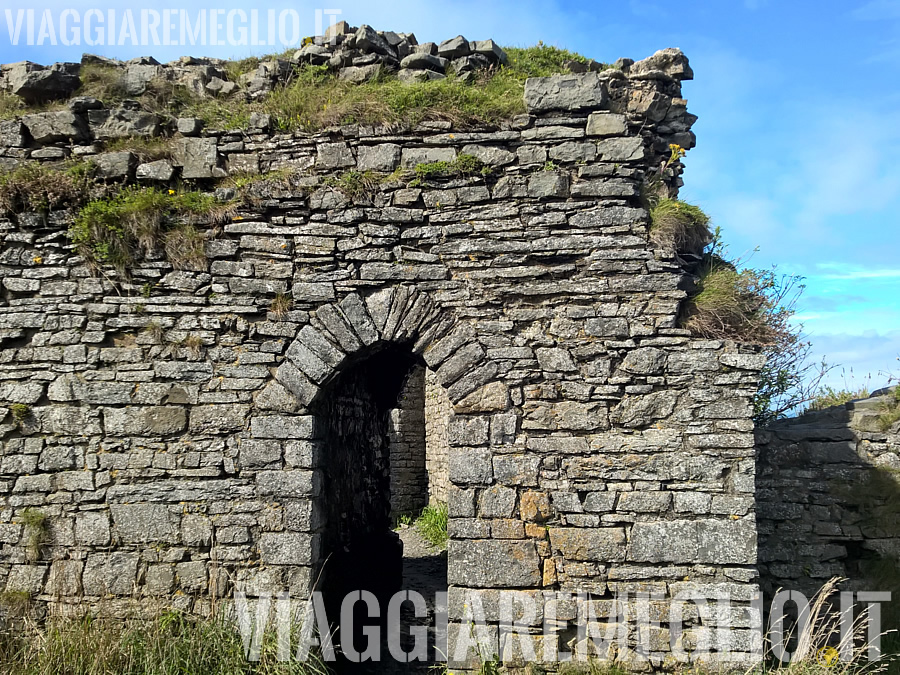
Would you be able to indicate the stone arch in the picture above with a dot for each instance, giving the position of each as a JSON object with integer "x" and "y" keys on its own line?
{"x": 339, "y": 337}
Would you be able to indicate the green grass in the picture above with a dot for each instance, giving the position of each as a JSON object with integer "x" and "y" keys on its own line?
{"x": 678, "y": 225}
{"x": 829, "y": 397}
{"x": 170, "y": 644}
{"x": 136, "y": 222}
{"x": 147, "y": 149}
{"x": 357, "y": 185}
{"x": 432, "y": 525}
{"x": 35, "y": 522}
{"x": 463, "y": 166}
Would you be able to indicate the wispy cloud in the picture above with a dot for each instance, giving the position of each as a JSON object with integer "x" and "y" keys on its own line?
{"x": 853, "y": 273}
{"x": 877, "y": 10}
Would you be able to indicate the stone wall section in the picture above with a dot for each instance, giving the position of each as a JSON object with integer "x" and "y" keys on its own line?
{"x": 409, "y": 477}
{"x": 169, "y": 425}
{"x": 827, "y": 491}
{"x": 438, "y": 410}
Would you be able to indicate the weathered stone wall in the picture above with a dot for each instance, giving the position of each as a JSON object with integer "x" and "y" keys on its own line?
{"x": 175, "y": 431}
{"x": 827, "y": 495}
{"x": 409, "y": 473}
{"x": 438, "y": 410}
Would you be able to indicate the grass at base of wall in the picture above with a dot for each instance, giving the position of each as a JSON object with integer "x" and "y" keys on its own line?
{"x": 432, "y": 525}
{"x": 172, "y": 643}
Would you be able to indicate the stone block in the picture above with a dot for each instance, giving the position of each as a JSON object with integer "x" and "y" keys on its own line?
{"x": 143, "y": 523}
{"x": 565, "y": 92}
{"x": 589, "y": 544}
{"x": 493, "y": 564}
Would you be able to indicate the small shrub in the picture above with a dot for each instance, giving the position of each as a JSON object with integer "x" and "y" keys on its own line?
{"x": 103, "y": 82}
{"x": 194, "y": 345}
{"x": 281, "y": 305}
{"x": 680, "y": 226}
{"x": 11, "y": 106}
{"x": 154, "y": 331}
{"x": 432, "y": 525}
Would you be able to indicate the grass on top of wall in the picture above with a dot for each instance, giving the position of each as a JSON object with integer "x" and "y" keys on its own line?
{"x": 314, "y": 98}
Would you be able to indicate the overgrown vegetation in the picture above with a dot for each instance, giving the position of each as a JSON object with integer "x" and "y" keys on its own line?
{"x": 463, "y": 166}
{"x": 20, "y": 412}
{"x": 678, "y": 225}
{"x": 281, "y": 304}
{"x": 432, "y": 525}
{"x": 359, "y": 186}
{"x": 33, "y": 186}
{"x": 138, "y": 222}
{"x": 890, "y": 413}
{"x": 828, "y": 397}
{"x": 171, "y": 644}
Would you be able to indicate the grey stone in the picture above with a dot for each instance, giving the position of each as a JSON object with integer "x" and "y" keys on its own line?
{"x": 670, "y": 63}
{"x": 144, "y": 421}
{"x": 198, "y": 157}
{"x": 490, "y": 49}
{"x": 81, "y": 104}
{"x": 360, "y": 74}
{"x": 333, "y": 156}
{"x": 282, "y": 548}
{"x": 627, "y": 149}
{"x": 412, "y": 157}
{"x": 367, "y": 40}
{"x": 218, "y": 419}
{"x": 588, "y": 544}
{"x": 189, "y": 126}
{"x": 12, "y": 134}
{"x": 606, "y": 124}
{"x": 470, "y": 465}
{"x": 545, "y": 184}
{"x": 565, "y": 92}
{"x": 123, "y": 122}
{"x": 639, "y": 411}
{"x": 454, "y": 48}
{"x": 52, "y": 127}
{"x": 497, "y": 502}
{"x": 110, "y": 573}
{"x": 160, "y": 171}
{"x": 490, "y": 155}
{"x": 384, "y": 157}
{"x": 408, "y": 75}
{"x": 694, "y": 541}
{"x": 64, "y": 579}
{"x": 115, "y": 165}
{"x": 26, "y": 579}
{"x": 35, "y": 84}
{"x": 493, "y": 564}
{"x": 424, "y": 61}
{"x": 645, "y": 361}
{"x": 92, "y": 528}
{"x": 143, "y": 523}
{"x": 555, "y": 360}
{"x": 282, "y": 427}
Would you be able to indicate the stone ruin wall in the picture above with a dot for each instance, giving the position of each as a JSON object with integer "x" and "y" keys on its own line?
{"x": 438, "y": 410}
{"x": 593, "y": 445}
{"x": 827, "y": 499}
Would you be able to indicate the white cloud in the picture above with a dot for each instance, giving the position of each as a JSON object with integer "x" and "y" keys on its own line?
{"x": 877, "y": 10}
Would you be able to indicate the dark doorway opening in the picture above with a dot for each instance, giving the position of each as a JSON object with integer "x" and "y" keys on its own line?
{"x": 375, "y": 472}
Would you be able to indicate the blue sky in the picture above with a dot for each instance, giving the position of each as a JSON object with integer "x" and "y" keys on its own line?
{"x": 798, "y": 150}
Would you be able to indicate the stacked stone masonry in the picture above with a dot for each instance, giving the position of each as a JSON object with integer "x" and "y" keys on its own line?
{"x": 827, "y": 495}
{"x": 438, "y": 410}
{"x": 592, "y": 446}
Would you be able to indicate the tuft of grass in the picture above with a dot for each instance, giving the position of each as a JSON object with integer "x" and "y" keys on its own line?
{"x": 39, "y": 187}
{"x": 147, "y": 149}
{"x": 432, "y": 525}
{"x": 359, "y": 186}
{"x": 829, "y": 397}
{"x": 172, "y": 643}
{"x": 680, "y": 226}
{"x": 136, "y": 222}
{"x": 185, "y": 248}
{"x": 103, "y": 82}
{"x": 281, "y": 305}
{"x": 744, "y": 305}
{"x": 463, "y": 166}
{"x": 35, "y": 522}
{"x": 193, "y": 343}
{"x": 16, "y": 603}
{"x": 890, "y": 411}
{"x": 154, "y": 331}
